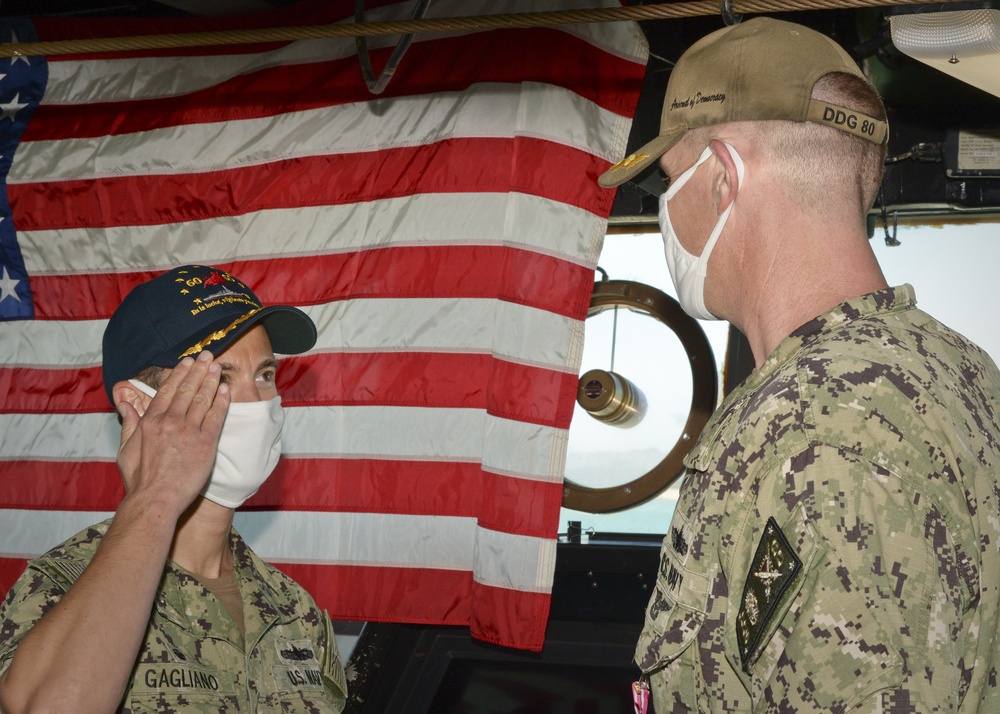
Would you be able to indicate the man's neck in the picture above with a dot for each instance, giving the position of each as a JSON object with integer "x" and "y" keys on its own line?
{"x": 201, "y": 541}
{"x": 812, "y": 270}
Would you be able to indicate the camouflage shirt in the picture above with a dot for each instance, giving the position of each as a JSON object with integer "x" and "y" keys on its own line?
{"x": 836, "y": 545}
{"x": 193, "y": 658}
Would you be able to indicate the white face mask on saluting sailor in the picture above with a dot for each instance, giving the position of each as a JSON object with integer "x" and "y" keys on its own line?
{"x": 249, "y": 448}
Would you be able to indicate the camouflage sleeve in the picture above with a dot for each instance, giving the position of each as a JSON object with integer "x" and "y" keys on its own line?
{"x": 333, "y": 668}
{"x": 32, "y": 596}
{"x": 846, "y": 590}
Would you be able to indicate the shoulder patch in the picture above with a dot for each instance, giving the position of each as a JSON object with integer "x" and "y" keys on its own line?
{"x": 63, "y": 571}
{"x": 772, "y": 571}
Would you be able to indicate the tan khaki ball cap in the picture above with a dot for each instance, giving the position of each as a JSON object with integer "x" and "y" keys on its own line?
{"x": 757, "y": 70}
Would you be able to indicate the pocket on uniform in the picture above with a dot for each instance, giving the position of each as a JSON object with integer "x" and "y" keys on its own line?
{"x": 323, "y": 702}
{"x": 676, "y": 610}
{"x": 818, "y": 645}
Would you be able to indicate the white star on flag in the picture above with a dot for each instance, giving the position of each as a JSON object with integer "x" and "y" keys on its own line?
{"x": 11, "y": 109}
{"x": 7, "y": 286}
{"x": 14, "y": 41}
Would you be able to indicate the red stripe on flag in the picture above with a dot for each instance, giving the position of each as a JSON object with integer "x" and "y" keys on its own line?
{"x": 372, "y": 486}
{"x": 532, "y": 394}
{"x": 400, "y": 379}
{"x": 420, "y": 488}
{"x": 462, "y": 489}
{"x": 520, "y": 506}
{"x": 406, "y": 272}
{"x": 510, "y": 390}
{"x": 508, "y": 57}
{"x": 383, "y": 594}
{"x": 549, "y": 170}
{"x": 38, "y": 390}
{"x": 512, "y": 618}
{"x": 10, "y": 570}
{"x": 60, "y": 485}
{"x": 426, "y": 379}
{"x": 423, "y": 379}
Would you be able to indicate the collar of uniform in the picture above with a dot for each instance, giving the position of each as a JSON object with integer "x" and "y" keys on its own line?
{"x": 714, "y": 438}
{"x": 266, "y": 601}
{"x": 183, "y": 600}
{"x": 883, "y": 301}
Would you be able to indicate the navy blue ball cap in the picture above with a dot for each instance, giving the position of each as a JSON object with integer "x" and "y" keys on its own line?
{"x": 189, "y": 309}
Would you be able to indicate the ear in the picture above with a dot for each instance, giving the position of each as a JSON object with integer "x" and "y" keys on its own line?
{"x": 727, "y": 183}
{"x": 124, "y": 391}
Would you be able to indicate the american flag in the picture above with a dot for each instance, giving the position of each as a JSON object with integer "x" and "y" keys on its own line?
{"x": 442, "y": 235}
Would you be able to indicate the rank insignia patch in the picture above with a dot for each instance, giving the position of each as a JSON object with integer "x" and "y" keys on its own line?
{"x": 773, "y": 570}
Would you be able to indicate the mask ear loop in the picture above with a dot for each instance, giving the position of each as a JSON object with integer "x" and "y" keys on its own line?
{"x": 721, "y": 223}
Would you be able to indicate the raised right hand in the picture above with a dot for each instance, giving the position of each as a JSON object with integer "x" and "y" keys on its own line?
{"x": 167, "y": 454}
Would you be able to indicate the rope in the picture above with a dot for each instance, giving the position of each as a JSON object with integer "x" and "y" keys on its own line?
{"x": 693, "y": 8}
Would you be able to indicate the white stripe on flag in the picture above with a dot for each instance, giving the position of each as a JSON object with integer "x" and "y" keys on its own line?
{"x": 401, "y": 541}
{"x": 506, "y": 560}
{"x": 393, "y": 432}
{"x": 47, "y": 343}
{"x": 380, "y": 540}
{"x": 118, "y": 80}
{"x": 448, "y": 325}
{"x": 419, "y": 433}
{"x": 484, "y": 110}
{"x": 512, "y": 448}
{"x": 395, "y": 222}
{"x": 377, "y": 325}
{"x": 60, "y": 437}
{"x": 390, "y": 540}
{"x": 28, "y": 534}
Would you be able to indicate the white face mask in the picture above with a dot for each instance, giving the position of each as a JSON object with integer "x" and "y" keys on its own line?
{"x": 249, "y": 447}
{"x": 686, "y": 270}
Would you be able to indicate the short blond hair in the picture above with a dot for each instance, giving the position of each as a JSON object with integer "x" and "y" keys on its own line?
{"x": 810, "y": 158}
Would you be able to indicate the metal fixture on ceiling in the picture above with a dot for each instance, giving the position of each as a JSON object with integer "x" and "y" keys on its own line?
{"x": 376, "y": 85}
{"x": 963, "y": 43}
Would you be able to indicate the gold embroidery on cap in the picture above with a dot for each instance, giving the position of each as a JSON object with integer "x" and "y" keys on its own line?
{"x": 629, "y": 161}
{"x": 217, "y": 335}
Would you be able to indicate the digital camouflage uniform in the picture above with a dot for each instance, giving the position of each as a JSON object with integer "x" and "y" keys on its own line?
{"x": 193, "y": 658}
{"x": 835, "y": 545}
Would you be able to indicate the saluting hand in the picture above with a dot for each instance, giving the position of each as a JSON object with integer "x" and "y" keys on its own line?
{"x": 167, "y": 454}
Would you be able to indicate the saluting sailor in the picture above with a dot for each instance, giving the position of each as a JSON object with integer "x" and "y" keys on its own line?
{"x": 164, "y": 607}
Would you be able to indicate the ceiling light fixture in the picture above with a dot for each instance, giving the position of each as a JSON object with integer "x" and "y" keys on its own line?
{"x": 964, "y": 43}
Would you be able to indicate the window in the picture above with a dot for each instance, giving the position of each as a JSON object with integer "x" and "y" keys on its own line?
{"x": 951, "y": 267}
{"x": 649, "y": 355}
